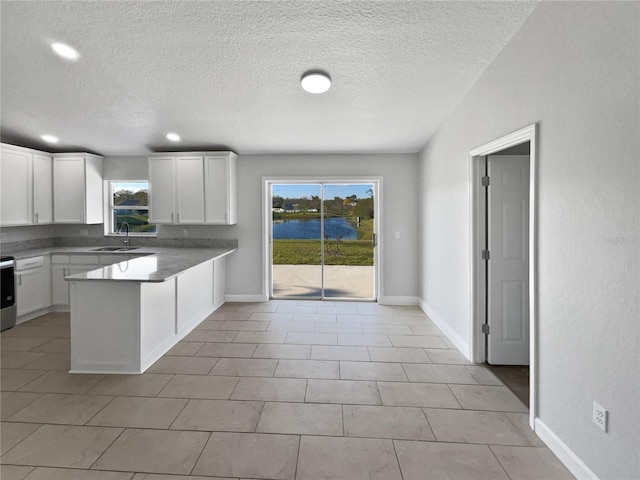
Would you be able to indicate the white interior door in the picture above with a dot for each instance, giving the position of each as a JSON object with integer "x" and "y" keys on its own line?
{"x": 508, "y": 266}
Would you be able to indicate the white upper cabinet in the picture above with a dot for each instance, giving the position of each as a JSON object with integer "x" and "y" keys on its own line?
{"x": 192, "y": 189}
{"x": 77, "y": 188}
{"x": 42, "y": 189}
{"x": 161, "y": 190}
{"x": 220, "y": 189}
{"x": 26, "y": 188}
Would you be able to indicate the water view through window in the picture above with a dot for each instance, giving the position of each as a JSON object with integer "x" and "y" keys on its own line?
{"x": 323, "y": 240}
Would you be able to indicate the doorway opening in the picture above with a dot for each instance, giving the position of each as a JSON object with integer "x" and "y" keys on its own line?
{"x": 322, "y": 238}
{"x": 503, "y": 323}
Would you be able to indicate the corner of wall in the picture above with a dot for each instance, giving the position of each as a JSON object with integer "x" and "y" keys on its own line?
{"x": 460, "y": 343}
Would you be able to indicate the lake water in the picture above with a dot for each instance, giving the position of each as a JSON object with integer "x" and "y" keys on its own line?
{"x": 310, "y": 229}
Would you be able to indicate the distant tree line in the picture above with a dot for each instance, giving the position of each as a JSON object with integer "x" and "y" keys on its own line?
{"x": 348, "y": 206}
{"x": 140, "y": 196}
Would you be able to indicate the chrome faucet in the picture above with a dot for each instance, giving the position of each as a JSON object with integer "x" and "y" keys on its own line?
{"x": 126, "y": 239}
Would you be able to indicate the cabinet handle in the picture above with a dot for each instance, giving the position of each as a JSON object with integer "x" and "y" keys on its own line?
{"x": 19, "y": 279}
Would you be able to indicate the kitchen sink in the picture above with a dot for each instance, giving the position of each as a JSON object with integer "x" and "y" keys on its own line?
{"x": 113, "y": 249}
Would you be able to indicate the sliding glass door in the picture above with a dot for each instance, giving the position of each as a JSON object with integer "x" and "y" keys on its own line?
{"x": 323, "y": 240}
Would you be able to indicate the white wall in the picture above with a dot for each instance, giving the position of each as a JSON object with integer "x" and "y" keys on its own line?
{"x": 399, "y": 172}
{"x": 574, "y": 68}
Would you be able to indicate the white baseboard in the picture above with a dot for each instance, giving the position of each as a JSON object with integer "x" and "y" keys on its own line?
{"x": 246, "y": 298}
{"x": 570, "y": 460}
{"x": 460, "y": 343}
{"x": 398, "y": 300}
{"x": 38, "y": 313}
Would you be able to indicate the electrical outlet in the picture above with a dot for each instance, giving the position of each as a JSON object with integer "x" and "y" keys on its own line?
{"x": 600, "y": 416}
{"x": 185, "y": 232}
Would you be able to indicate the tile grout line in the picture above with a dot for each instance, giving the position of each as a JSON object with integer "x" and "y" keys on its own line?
{"x": 200, "y": 454}
{"x": 498, "y": 460}
{"x": 395, "y": 451}
{"x": 108, "y": 447}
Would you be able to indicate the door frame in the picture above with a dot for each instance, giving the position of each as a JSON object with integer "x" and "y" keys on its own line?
{"x": 267, "y": 182}
{"x": 477, "y": 264}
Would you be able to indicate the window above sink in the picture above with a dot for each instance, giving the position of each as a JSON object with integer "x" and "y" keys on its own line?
{"x": 128, "y": 201}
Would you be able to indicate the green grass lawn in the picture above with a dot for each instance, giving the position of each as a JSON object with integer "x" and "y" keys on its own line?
{"x": 307, "y": 252}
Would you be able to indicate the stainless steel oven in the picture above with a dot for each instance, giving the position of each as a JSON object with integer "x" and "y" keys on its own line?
{"x": 8, "y": 293}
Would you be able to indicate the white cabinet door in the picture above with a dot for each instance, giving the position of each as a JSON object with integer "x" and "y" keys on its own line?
{"x": 216, "y": 175}
{"x": 32, "y": 290}
{"x": 59, "y": 286}
{"x": 15, "y": 184}
{"x": 42, "y": 189}
{"x": 77, "y": 189}
{"x": 190, "y": 190}
{"x": 161, "y": 190}
{"x": 93, "y": 198}
{"x": 68, "y": 190}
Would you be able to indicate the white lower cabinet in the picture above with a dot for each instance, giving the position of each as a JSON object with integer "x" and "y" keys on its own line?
{"x": 33, "y": 285}
{"x": 59, "y": 286}
{"x": 125, "y": 327}
{"x": 194, "y": 295}
{"x": 64, "y": 265}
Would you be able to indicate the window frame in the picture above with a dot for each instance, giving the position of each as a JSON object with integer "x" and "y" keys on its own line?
{"x": 109, "y": 225}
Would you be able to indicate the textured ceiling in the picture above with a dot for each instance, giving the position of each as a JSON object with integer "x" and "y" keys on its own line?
{"x": 226, "y": 73}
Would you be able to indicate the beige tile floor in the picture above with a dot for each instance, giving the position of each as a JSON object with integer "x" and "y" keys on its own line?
{"x": 278, "y": 390}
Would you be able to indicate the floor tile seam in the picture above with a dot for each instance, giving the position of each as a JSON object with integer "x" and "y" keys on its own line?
{"x": 113, "y": 397}
{"x": 122, "y": 430}
{"x": 204, "y": 446}
{"x": 187, "y": 402}
{"x": 295, "y": 470}
{"x": 499, "y": 462}
{"x": 213, "y": 366}
{"x": 44, "y": 372}
{"x": 478, "y": 411}
{"x": 234, "y": 389}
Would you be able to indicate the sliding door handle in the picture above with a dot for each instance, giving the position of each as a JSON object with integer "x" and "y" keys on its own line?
{"x": 374, "y": 240}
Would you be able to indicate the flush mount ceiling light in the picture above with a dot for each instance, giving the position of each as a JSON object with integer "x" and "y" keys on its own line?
{"x": 49, "y": 138}
{"x": 174, "y": 137}
{"x": 65, "y": 51}
{"x": 315, "y": 82}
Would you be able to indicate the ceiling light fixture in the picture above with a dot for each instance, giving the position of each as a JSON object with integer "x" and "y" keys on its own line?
{"x": 174, "y": 137}
{"x": 49, "y": 138}
{"x": 315, "y": 82}
{"x": 65, "y": 51}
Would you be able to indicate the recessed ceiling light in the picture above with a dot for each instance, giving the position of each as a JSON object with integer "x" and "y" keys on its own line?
{"x": 49, "y": 138}
{"x": 65, "y": 51}
{"x": 174, "y": 137}
{"x": 315, "y": 82}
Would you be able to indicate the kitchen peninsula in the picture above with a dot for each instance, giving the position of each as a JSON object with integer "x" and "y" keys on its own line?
{"x": 125, "y": 316}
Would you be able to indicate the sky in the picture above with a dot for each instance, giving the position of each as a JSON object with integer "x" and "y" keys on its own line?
{"x": 131, "y": 186}
{"x": 330, "y": 191}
